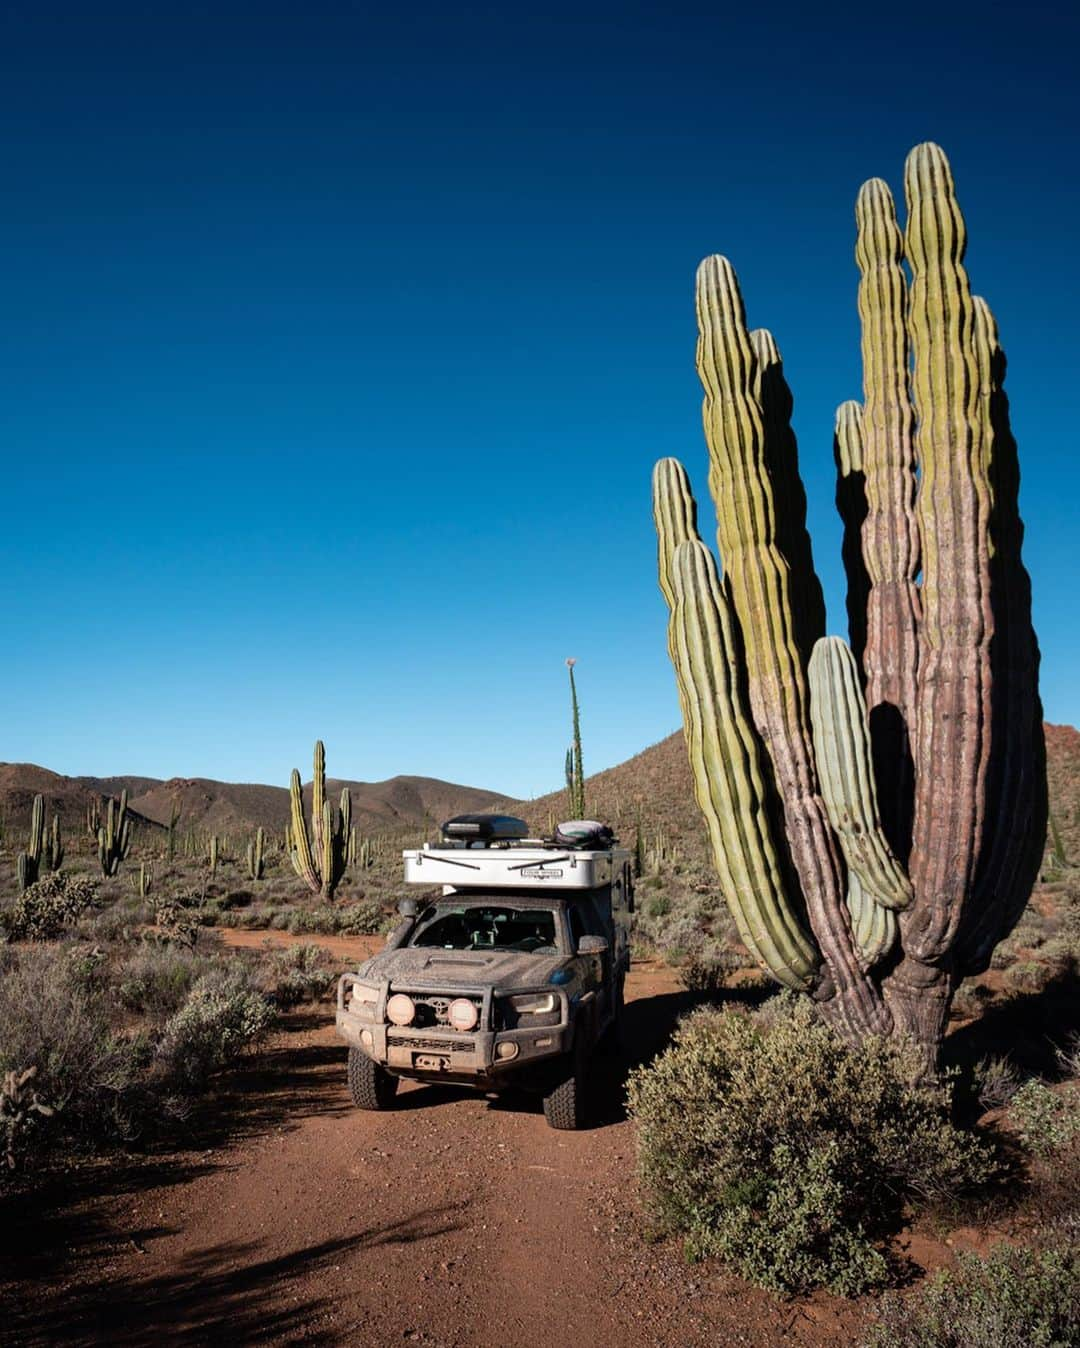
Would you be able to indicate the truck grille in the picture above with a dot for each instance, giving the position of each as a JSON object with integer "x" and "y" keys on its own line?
{"x": 432, "y": 1009}
{"x": 429, "y": 1045}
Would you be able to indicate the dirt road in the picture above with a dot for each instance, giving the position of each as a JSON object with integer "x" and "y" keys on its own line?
{"x": 453, "y": 1221}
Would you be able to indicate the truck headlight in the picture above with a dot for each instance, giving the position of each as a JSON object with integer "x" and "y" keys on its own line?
{"x": 533, "y": 1003}
{"x": 530, "y": 1010}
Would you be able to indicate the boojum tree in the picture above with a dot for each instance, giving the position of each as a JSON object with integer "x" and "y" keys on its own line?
{"x": 876, "y": 811}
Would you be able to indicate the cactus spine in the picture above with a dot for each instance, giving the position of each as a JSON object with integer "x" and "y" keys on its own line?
{"x": 114, "y": 836}
{"x": 877, "y": 814}
{"x": 319, "y": 856}
{"x": 255, "y": 855}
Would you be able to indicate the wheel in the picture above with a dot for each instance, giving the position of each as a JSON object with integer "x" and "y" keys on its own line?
{"x": 371, "y": 1086}
{"x": 564, "y": 1107}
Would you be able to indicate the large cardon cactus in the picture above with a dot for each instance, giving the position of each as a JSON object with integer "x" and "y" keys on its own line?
{"x": 319, "y": 856}
{"x": 876, "y": 812}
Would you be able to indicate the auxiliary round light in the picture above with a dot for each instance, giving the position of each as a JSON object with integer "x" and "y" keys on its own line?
{"x": 462, "y": 1014}
{"x": 367, "y": 1039}
{"x": 506, "y": 1050}
{"x": 400, "y": 1009}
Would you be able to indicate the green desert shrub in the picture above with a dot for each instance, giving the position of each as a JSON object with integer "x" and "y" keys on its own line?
{"x": 302, "y": 973}
{"x": 62, "y": 1027}
{"x": 49, "y": 906}
{"x": 1046, "y": 1121}
{"x": 223, "y": 1014}
{"x": 156, "y": 979}
{"x": 996, "y": 1081}
{"x": 1012, "y": 1298}
{"x": 769, "y": 1143}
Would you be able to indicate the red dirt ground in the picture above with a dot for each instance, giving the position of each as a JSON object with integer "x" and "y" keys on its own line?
{"x": 453, "y": 1221}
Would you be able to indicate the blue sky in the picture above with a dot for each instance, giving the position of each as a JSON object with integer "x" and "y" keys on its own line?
{"x": 340, "y": 340}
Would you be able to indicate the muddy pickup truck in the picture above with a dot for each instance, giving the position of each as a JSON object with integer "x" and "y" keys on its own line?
{"x": 510, "y": 974}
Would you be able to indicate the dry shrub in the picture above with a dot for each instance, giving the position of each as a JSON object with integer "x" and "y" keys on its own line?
{"x": 768, "y": 1142}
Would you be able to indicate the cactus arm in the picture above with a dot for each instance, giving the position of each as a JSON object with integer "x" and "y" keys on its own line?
{"x": 318, "y": 797}
{"x": 326, "y": 866}
{"x": 874, "y": 926}
{"x": 728, "y": 783}
{"x": 851, "y": 505}
{"x": 675, "y": 518}
{"x": 953, "y": 506}
{"x": 842, "y": 752}
{"x": 760, "y": 588}
{"x": 771, "y": 390}
{"x": 890, "y": 533}
{"x": 302, "y": 860}
{"x": 1016, "y": 813}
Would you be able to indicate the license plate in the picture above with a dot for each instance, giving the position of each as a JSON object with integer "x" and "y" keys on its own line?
{"x": 430, "y": 1062}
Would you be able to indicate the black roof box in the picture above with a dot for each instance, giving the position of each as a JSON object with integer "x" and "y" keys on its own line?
{"x": 485, "y": 828}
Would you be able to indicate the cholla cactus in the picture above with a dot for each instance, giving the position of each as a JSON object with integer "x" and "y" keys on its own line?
{"x": 876, "y": 813}
{"x": 319, "y": 857}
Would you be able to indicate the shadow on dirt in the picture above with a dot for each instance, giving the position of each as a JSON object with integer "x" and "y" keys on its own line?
{"x": 1027, "y": 1028}
{"x": 219, "y": 1294}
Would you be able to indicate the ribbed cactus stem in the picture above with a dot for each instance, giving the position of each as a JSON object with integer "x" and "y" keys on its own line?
{"x": 771, "y": 391}
{"x": 1017, "y": 805}
{"x": 845, "y": 770}
{"x": 37, "y": 829}
{"x": 114, "y": 837}
{"x": 759, "y": 581}
{"x": 953, "y": 507}
{"x": 302, "y": 859}
{"x": 851, "y": 504}
{"x": 318, "y": 798}
{"x": 255, "y": 861}
{"x": 728, "y": 780}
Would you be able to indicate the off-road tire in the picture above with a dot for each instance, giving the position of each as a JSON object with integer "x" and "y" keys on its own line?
{"x": 371, "y": 1086}
{"x": 565, "y": 1106}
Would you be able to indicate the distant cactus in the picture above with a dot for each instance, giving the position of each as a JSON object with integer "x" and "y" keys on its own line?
{"x": 143, "y": 882}
{"x": 212, "y": 855}
{"x": 114, "y": 836}
{"x": 319, "y": 856}
{"x": 174, "y": 819}
{"x": 93, "y": 816}
{"x": 28, "y": 863}
{"x": 54, "y": 846}
{"x": 575, "y": 773}
{"x": 877, "y": 814}
{"x": 255, "y": 856}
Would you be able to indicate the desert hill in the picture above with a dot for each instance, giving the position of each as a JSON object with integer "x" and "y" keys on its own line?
{"x": 401, "y": 803}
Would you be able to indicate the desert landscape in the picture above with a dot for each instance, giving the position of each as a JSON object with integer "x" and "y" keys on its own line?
{"x": 256, "y": 1203}
{"x": 582, "y": 854}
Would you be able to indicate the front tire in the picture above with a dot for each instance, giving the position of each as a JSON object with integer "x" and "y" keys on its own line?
{"x": 565, "y": 1106}
{"x": 371, "y": 1086}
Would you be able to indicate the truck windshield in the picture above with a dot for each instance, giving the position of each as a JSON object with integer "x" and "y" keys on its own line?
{"x": 485, "y": 927}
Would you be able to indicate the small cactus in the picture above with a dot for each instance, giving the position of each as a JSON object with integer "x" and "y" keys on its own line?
{"x": 255, "y": 862}
{"x": 143, "y": 883}
{"x": 212, "y": 853}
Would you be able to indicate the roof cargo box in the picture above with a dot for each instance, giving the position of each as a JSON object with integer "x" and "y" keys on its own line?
{"x": 485, "y": 828}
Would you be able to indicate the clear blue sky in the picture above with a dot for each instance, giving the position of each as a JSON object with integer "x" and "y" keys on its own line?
{"x": 339, "y": 340}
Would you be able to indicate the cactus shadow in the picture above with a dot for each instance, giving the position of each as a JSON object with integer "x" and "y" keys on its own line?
{"x": 1027, "y": 1028}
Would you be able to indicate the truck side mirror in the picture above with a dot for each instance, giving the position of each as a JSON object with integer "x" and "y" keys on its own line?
{"x": 593, "y": 945}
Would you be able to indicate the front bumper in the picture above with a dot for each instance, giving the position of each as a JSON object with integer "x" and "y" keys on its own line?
{"x": 440, "y": 1051}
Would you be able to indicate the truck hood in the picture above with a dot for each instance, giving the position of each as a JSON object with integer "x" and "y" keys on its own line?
{"x": 431, "y": 968}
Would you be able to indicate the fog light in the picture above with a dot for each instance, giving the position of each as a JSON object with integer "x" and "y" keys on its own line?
{"x": 367, "y": 1039}
{"x": 462, "y": 1014}
{"x": 400, "y": 1009}
{"x": 506, "y": 1050}
{"x": 546, "y": 1042}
